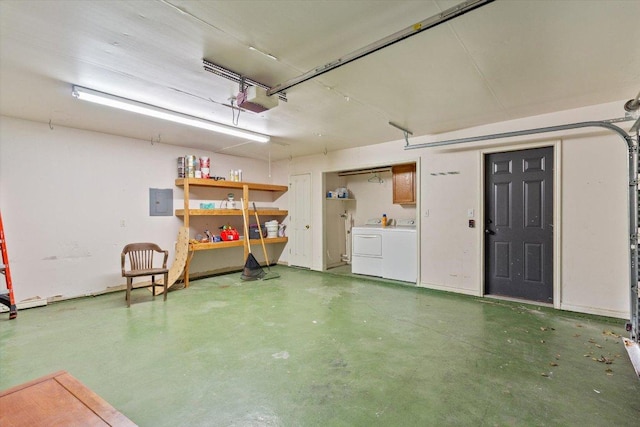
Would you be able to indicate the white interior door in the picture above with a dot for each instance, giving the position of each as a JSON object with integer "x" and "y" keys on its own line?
{"x": 300, "y": 220}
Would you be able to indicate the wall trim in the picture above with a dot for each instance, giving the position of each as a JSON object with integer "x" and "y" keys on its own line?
{"x": 452, "y": 289}
{"x": 624, "y": 315}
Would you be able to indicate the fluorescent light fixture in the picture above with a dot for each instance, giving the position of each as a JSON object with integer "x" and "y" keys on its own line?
{"x": 160, "y": 113}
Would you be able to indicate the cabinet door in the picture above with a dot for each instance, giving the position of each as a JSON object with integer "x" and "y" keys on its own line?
{"x": 404, "y": 184}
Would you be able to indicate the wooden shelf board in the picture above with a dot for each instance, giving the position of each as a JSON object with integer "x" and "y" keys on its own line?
{"x": 201, "y": 182}
{"x": 234, "y": 243}
{"x": 231, "y": 212}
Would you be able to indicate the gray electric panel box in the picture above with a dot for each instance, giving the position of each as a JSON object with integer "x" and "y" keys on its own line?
{"x": 160, "y": 202}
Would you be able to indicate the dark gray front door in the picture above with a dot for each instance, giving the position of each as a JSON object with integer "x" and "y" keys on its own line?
{"x": 519, "y": 224}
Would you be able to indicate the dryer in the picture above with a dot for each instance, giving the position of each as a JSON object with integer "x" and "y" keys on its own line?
{"x": 366, "y": 257}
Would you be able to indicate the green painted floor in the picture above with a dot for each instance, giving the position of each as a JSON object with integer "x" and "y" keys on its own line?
{"x": 317, "y": 349}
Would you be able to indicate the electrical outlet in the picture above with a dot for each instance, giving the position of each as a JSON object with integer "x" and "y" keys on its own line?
{"x": 122, "y": 223}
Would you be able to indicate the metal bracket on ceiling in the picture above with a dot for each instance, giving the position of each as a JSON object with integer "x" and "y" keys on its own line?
{"x": 243, "y": 81}
{"x": 406, "y": 132}
{"x": 636, "y": 126}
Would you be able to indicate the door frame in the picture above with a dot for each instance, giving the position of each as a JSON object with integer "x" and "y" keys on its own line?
{"x": 311, "y": 212}
{"x": 556, "y": 144}
{"x": 419, "y": 200}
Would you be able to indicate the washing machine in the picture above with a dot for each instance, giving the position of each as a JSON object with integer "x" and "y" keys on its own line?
{"x": 400, "y": 252}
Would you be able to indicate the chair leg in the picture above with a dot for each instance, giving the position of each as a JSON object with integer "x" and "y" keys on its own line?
{"x": 153, "y": 286}
{"x": 128, "y": 294}
{"x": 166, "y": 279}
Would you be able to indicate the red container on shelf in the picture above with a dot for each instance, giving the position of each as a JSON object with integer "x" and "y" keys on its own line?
{"x": 229, "y": 234}
{"x": 204, "y": 166}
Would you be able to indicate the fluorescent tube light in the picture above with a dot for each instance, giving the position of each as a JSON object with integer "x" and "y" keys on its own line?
{"x": 160, "y": 113}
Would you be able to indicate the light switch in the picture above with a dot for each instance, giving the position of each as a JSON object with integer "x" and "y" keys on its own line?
{"x": 470, "y": 213}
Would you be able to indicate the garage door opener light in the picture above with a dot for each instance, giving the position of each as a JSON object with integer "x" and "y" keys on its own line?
{"x": 161, "y": 113}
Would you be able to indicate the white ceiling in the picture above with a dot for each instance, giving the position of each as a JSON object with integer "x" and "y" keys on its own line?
{"x": 506, "y": 60}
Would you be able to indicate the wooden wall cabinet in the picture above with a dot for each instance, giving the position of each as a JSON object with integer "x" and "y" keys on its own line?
{"x": 404, "y": 184}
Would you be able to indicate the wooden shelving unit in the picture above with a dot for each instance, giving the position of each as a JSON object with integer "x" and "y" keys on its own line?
{"x": 246, "y": 188}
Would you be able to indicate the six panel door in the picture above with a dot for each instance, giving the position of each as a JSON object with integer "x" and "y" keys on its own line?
{"x": 519, "y": 224}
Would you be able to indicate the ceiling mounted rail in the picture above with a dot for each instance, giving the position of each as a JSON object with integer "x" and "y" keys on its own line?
{"x": 236, "y": 77}
{"x": 603, "y": 124}
{"x": 412, "y": 30}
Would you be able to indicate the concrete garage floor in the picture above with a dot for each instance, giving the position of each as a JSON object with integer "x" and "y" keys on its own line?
{"x": 316, "y": 349}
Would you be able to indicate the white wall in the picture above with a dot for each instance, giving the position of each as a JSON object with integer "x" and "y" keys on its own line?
{"x": 65, "y": 194}
{"x": 591, "y": 225}
{"x": 334, "y": 226}
{"x": 373, "y": 198}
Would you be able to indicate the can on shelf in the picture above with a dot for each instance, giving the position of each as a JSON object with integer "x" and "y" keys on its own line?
{"x": 190, "y": 166}
{"x": 204, "y": 166}
{"x": 180, "y": 167}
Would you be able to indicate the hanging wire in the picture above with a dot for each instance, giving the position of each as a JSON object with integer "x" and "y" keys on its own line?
{"x": 235, "y": 119}
{"x": 243, "y": 88}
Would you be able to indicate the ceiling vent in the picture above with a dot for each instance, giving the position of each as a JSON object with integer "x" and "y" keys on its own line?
{"x": 255, "y": 99}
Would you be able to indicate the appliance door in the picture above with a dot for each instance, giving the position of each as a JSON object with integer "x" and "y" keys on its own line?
{"x": 367, "y": 252}
{"x": 400, "y": 255}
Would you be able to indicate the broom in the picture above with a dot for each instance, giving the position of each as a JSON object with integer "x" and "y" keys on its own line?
{"x": 252, "y": 269}
{"x": 270, "y": 274}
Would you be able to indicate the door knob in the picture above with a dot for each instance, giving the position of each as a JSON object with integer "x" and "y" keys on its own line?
{"x": 487, "y": 231}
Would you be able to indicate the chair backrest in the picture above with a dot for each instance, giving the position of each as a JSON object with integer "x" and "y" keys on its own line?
{"x": 141, "y": 255}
